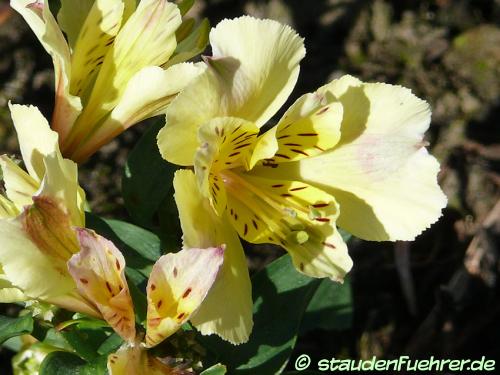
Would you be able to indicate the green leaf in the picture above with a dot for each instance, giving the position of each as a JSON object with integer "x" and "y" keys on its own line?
{"x": 12, "y": 327}
{"x": 194, "y": 44}
{"x": 147, "y": 178}
{"x": 184, "y": 6}
{"x": 140, "y": 247}
{"x": 281, "y": 295}
{"x": 217, "y": 369}
{"x": 330, "y": 307}
{"x": 65, "y": 363}
{"x": 110, "y": 345}
{"x": 85, "y": 341}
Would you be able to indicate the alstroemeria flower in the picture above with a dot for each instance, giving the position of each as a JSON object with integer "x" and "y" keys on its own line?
{"x": 350, "y": 153}
{"x": 177, "y": 286}
{"x": 37, "y": 218}
{"x": 121, "y": 63}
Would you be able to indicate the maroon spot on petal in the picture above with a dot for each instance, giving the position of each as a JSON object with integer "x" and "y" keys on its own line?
{"x": 117, "y": 263}
{"x": 307, "y": 134}
{"x": 246, "y": 230}
{"x": 301, "y": 266}
{"x": 186, "y": 293}
{"x": 322, "y": 111}
{"x": 327, "y": 244}
{"x": 300, "y": 152}
{"x": 299, "y": 188}
{"x": 153, "y": 286}
{"x": 84, "y": 281}
{"x": 108, "y": 286}
{"x": 320, "y": 205}
{"x": 241, "y": 146}
{"x": 237, "y": 137}
{"x": 255, "y": 224}
{"x": 319, "y": 148}
{"x": 293, "y": 144}
{"x": 283, "y": 136}
{"x": 236, "y": 129}
{"x": 235, "y": 216}
{"x": 181, "y": 315}
{"x": 286, "y": 195}
{"x": 234, "y": 154}
{"x": 175, "y": 271}
{"x": 277, "y": 185}
{"x": 322, "y": 219}
{"x": 158, "y": 305}
{"x": 282, "y": 156}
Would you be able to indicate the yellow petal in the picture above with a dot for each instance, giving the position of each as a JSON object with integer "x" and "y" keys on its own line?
{"x": 158, "y": 87}
{"x": 227, "y": 309}
{"x": 147, "y": 39}
{"x": 292, "y": 214}
{"x": 28, "y": 268}
{"x": 253, "y": 69}
{"x": 9, "y": 293}
{"x": 99, "y": 272}
{"x": 224, "y": 141}
{"x": 43, "y": 160}
{"x": 309, "y": 127}
{"x": 61, "y": 182}
{"x": 7, "y": 208}
{"x": 268, "y": 55}
{"x": 39, "y": 17}
{"x": 35, "y": 249}
{"x": 36, "y": 139}
{"x": 95, "y": 38}
{"x": 19, "y": 186}
{"x": 176, "y": 288}
{"x": 134, "y": 360}
{"x": 380, "y": 172}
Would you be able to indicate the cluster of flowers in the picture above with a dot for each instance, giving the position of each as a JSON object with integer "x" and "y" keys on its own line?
{"x": 350, "y": 153}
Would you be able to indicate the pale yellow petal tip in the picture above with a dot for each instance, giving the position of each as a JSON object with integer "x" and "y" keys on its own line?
{"x": 246, "y": 21}
{"x": 234, "y": 336}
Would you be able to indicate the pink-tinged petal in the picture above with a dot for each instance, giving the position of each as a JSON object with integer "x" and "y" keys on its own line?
{"x": 177, "y": 286}
{"x": 98, "y": 270}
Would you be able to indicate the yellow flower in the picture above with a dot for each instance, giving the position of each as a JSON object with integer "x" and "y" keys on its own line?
{"x": 350, "y": 153}
{"x": 119, "y": 65}
{"x": 39, "y": 210}
{"x": 177, "y": 286}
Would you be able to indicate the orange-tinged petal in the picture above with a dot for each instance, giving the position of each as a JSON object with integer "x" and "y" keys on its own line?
{"x": 99, "y": 272}
{"x": 177, "y": 286}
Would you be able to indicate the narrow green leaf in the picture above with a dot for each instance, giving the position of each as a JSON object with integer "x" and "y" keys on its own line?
{"x": 147, "y": 178}
{"x": 85, "y": 341}
{"x": 140, "y": 247}
{"x": 281, "y": 295}
{"x": 65, "y": 363}
{"x": 194, "y": 44}
{"x": 217, "y": 369}
{"x": 110, "y": 345}
{"x": 12, "y": 327}
{"x": 184, "y": 6}
{"x": 330, "y": 307}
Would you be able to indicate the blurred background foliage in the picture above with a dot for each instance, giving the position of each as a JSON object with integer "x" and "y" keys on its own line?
{"x": 438, "y": 295}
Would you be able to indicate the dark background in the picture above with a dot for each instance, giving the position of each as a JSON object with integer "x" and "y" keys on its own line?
{"x": 436, "y": 296}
